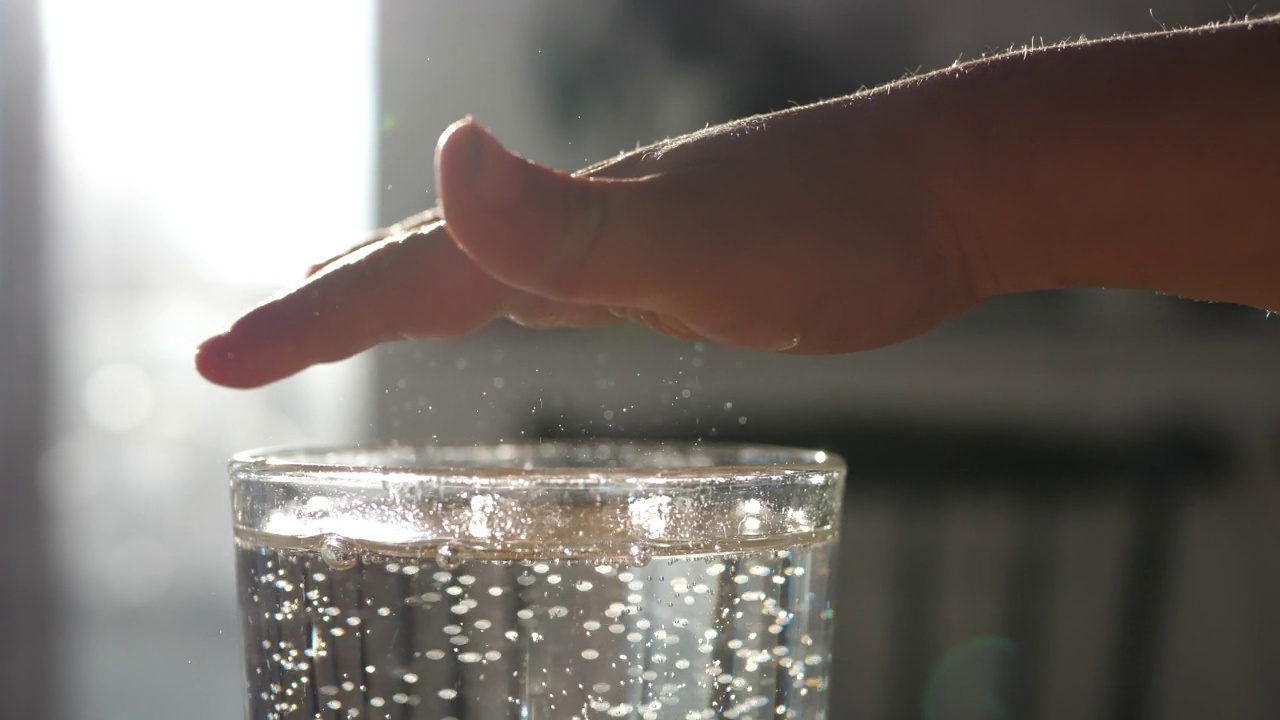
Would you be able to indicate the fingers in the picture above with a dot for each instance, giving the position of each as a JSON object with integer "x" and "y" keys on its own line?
{"x": 409, "y": 224}
{"x": 535, "y": 311}
{"x": 586, "y": 240}
{"x": 419, "y": 285}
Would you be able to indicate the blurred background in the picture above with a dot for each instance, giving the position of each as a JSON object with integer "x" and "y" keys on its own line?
{"x": 1062, "y": 505}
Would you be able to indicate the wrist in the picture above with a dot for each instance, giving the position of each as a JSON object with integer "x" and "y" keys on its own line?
{"x": 1143, "y": 163}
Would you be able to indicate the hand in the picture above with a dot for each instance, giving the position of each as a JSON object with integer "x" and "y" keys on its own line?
{"x": 841, "y": 226}
{"x": 793, "y": 232}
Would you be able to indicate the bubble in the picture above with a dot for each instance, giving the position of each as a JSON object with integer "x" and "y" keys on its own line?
{"x": 584, "y": 585}
{"x": 448, "y": 557}
{"x": 338, "y": 553}
{"x": 590, "y": 654}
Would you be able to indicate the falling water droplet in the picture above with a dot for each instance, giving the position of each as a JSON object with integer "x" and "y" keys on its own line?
{"x": 639, "y": 555}
{"x": 338, "y": 553}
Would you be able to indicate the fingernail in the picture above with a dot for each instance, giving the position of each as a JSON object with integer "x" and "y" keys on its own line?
{"x": 497, "y": 176}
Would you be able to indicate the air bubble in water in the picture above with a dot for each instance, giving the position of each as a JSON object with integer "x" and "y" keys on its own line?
{"x": 338, "y": 553}
{"x": 448, "y": 557}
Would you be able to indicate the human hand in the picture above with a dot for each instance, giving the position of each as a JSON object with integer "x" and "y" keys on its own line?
{"x": 816, "y": 230}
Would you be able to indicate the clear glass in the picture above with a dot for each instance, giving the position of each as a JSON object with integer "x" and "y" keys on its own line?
{"x": 540, "y": 581}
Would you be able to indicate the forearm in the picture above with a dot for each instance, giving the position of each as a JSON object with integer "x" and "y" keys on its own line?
{"x": 1150, "y": 162}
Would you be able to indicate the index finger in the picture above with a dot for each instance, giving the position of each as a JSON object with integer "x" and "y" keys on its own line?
{"x": 410, "y": 224}
{"x": 416, "y": 285}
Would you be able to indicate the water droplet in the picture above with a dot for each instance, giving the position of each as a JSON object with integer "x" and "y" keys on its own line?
{"x": 639, "y": 555}
{"x": 448, "y": 557}
{"x": 338, "y": 553}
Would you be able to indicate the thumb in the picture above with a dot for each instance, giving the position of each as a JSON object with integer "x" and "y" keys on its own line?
{"x": 586, "y": 240}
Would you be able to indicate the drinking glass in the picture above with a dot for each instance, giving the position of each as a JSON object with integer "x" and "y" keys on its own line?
{"x": 537, "y": 581}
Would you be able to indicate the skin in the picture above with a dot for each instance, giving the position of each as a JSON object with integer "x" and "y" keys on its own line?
{"x": 1145, "y": 162}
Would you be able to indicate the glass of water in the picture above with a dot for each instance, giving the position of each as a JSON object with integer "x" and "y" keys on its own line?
{"x": 542, "y": 581}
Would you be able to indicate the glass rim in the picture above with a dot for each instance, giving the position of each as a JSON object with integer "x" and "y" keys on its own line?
{"x": 736, "y": 463}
